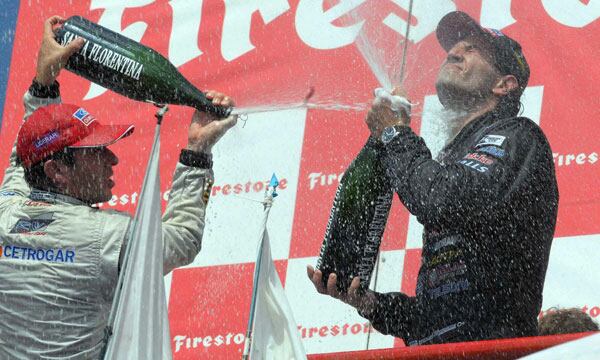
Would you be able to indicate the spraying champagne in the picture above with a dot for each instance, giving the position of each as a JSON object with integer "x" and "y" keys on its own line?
{"x": 130, "y": 68}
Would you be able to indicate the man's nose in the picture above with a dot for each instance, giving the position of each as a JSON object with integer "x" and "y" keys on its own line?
{"x": 454, "y": 56}
{"x": 111, "y": 157}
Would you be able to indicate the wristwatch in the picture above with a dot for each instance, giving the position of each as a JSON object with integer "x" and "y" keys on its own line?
{"x": 388, "y": 134}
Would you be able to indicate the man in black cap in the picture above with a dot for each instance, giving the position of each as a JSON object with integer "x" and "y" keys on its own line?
{"x": 488, "y": 203}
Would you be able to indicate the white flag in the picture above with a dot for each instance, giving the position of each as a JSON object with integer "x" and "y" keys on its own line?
{"x": 141, "y": 326}
{"x": 275, "y": 334}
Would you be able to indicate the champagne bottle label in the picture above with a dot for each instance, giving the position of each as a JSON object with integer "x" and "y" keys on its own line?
{"x": 374, "y": 236}
{"x": 129, "y": 68}
{"x": 101, "y": 55}
{"x": 357, "y": 221}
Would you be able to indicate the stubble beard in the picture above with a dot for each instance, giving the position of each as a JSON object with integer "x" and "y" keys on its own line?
{"x": 460, "y": 97}
{"x": 456, "y": 107}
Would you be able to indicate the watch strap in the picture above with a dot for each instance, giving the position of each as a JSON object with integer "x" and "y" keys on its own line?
{"x": 45, "y": 91}
{"x": 196, "y": 159}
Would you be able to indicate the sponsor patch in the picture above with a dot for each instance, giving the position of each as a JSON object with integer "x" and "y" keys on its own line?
{"x": 442, "y": 273}
{"x": 42, "y": 196}
{"x": 85, "y": 117}
{"x": 438, "y": 334}
{"x": 7, "y": 193}
{"x": 9, "y": 251}
{"x": 450, "y": 240}
{"x": 475, "y": 165}
{"x": 482, "y": 158}
{"x": 492, "y": 150}
{"x": 32, "y": 203}
{"x": 449, "y": 288}
{"x": 496, "y": 140}
{"x": 445, "y": 257}
{"x": 46, "y": 140}
{"x": 34, "y": 225}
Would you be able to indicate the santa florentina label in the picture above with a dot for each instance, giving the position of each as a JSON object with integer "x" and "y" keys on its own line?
{"x": 374, "y": 235}
{"x": 106, "y": 57}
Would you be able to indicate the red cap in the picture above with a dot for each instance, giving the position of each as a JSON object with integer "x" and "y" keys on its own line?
{"x": 52, "y": 128}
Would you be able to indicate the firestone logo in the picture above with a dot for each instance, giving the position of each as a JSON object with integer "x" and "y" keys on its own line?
{"x": 245, "y": 188}
{"x": 314, "y": 24}
{"x": 317, "y": 179}
{"x": 184, "y": 342}
{"x": 579, "y": 159}
{"x": 251, "y": 186}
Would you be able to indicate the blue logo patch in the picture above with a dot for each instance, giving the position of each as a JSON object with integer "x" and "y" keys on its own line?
{"x": 80, "y": 114}
{"x": 46, "y": 140}
{"x": 25, "y": 253}
{"x": 449, "y": 288}
{"x": 496, "y": 140}
{"x": 7, "y": 193}
{"x": 85, "y": 117}
{"x": 40, "y": 223}
{"x": 492, "y": 150}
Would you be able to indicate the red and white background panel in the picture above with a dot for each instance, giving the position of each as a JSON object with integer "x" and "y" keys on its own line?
{"x": 270, "y": 52}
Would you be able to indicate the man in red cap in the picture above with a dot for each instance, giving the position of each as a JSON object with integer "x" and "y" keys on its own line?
{"x": 59, "y": 256}
{"x": 488, "y": 203}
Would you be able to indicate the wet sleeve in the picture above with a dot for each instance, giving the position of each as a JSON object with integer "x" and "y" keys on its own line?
{"x": 392, "y": 314}
{"x": 183, "y": 220}
{"x": 14, "y": 180}
{"x": 486, "y": 173}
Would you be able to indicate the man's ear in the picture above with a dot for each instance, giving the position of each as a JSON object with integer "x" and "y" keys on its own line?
{"x": 56, "y": 171}
{"x": 506, "y": 84}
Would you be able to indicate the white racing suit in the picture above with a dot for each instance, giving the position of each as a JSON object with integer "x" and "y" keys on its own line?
{"x": 59, "y": 260}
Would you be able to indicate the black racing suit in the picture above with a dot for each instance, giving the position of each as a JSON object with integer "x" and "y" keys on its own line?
{"x": 488, "y": 206}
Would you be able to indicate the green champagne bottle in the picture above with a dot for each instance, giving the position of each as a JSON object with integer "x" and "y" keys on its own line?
{"x": 357, "y": 220}
{"x": 130, "y": 68}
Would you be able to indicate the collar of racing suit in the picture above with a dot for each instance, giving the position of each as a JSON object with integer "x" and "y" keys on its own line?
{"x": 54, "y": 198}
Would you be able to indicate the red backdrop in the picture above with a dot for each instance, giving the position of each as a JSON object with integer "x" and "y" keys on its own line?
{"x": 270, "y": 53}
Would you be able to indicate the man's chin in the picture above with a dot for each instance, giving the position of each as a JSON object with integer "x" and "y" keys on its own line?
{"x": 446, "y": 98}
{"x": 107, "y": 197}
{"x": 99, "y": 198}
{"x": 444, "y": 89}
{"x": 451, "y": 96}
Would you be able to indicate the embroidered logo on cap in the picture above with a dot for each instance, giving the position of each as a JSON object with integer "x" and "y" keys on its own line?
{"x": 85, "y": 117}
{"x": 47, "y": 139}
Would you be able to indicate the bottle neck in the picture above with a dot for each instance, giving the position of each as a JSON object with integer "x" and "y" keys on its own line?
{"x": 199, "y": 101}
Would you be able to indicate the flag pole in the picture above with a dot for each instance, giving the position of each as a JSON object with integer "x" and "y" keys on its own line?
{"x": 108, "y": 330}
{"x": 270, "y": 194}
{"x": 406, "y": 40}
{"x": 400, "y": 80}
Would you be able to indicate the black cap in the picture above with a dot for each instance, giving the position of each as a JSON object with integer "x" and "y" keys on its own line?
{"x": 507, "y": 53}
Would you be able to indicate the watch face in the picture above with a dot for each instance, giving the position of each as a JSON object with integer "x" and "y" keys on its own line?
{"x": 388, "y": 134}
